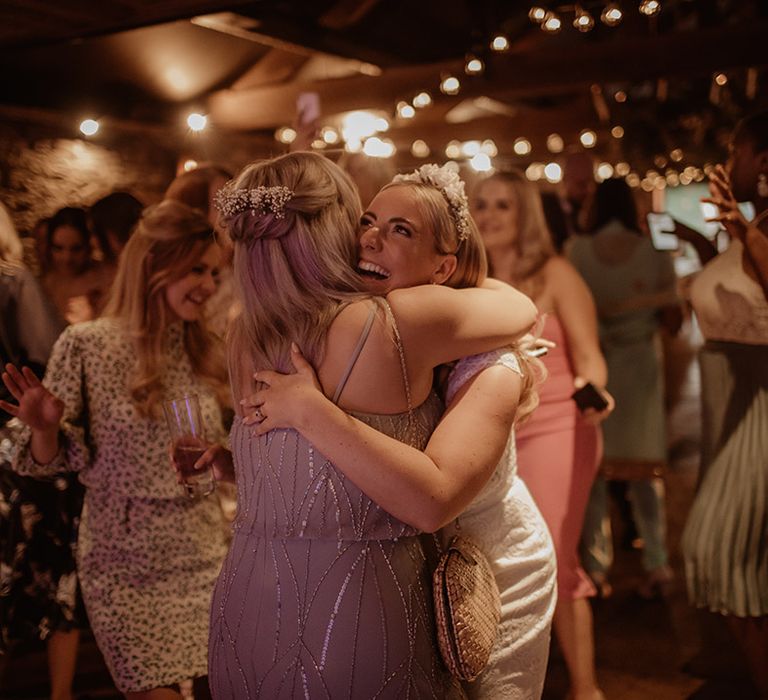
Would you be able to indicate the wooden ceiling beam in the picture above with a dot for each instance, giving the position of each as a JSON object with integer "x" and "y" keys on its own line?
{"x": 509, "y": 76}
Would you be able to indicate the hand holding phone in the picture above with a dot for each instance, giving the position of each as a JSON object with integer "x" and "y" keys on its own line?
{"x": 588, "y": 397}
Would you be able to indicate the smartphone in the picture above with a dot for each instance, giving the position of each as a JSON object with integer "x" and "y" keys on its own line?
{"x": 589, "y": 397}
{"x": 308, "y": 107}
{"x": 662, "y": 227}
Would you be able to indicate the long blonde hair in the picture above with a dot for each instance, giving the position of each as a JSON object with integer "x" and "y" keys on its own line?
{"x": 471, "y": 270}
{"x": 293, "y": 269}
{"x": 532, "y": 239}
{"x": 169, "y": 241}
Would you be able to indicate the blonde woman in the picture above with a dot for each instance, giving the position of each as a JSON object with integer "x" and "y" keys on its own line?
{"x": 559, "y": 448}
{"x": 147, "y": 555}
{"x": 324, "y": 592}
{"x": 470, "y": 455}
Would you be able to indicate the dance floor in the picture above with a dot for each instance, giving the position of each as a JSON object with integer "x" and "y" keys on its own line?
{"x": 645, "y": 650}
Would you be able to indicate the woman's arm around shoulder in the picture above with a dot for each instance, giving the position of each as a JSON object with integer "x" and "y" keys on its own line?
{"x": 451, "y": 323}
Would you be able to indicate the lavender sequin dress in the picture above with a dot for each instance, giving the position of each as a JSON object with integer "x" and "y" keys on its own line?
{"x": 323, "y": 593}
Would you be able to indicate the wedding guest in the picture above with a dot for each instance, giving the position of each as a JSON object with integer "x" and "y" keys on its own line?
{"x": 559, "y": 448}
{"x": 725, "y": 541}
{"x": 197, "y": 189}
{"x": 39, "y": 595}
{"x": 147, "y": 555}
{"x": 632, "y": 283}
{"x": 363, "y": 613}
{"x": 71, "y": 278}
{"x": 485, "y": 394}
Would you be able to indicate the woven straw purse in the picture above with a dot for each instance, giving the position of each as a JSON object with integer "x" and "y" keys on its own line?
{"x": 467, "y": 608}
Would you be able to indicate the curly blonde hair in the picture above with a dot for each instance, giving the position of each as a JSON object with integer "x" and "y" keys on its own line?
{"x": 169, "y": 241}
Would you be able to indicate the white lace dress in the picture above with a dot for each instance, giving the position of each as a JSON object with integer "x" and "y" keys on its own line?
{"x": 506, "y": 524}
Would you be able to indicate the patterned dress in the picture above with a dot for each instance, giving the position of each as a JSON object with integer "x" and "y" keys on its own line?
{"x": 323, "y": 594}
{"x": 505, "y": 523}
{"x": 147, "y": 556}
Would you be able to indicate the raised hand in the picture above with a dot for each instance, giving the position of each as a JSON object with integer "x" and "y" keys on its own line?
{"x": 285, "y": 399}
{"x": 37, "y": 407}
{"x": 722, "y": 197}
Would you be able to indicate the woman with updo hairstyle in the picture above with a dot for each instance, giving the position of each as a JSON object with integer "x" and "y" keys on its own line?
{"x": 325, "y": 590}
{"x": 147, "y": 555}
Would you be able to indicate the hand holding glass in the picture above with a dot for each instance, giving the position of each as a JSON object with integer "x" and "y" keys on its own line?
{"x": 185, "y": 424}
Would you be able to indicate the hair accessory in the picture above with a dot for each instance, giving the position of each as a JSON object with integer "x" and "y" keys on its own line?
{"x": 451, "y": 186}
{"x": 231, "y": 201}
{"x": 762, "y": 185}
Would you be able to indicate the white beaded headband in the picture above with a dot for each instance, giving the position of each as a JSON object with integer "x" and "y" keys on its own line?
{"x": 231, "y": 201}
{"x": 451, "y": 186}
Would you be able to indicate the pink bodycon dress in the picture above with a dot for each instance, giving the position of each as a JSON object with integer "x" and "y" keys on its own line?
{"x": 557, "y": 455}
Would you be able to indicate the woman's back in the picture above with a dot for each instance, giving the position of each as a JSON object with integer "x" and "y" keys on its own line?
{"x": 323, "y": 593}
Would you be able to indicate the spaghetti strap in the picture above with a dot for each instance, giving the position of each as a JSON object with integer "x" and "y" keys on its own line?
{"x": 355, "y": 354}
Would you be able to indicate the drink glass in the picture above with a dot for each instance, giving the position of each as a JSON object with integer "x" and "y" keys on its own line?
{"x": 185, "y": 424}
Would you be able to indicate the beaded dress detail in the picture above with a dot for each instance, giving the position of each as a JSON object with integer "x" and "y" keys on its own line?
{"x": 323, "y": 594}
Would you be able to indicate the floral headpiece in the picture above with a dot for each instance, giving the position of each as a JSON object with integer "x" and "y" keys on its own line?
{"x": 450, "y": 185}
{"x": 265, "y": 200}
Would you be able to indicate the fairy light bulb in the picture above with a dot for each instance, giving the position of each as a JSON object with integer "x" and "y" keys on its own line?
{"x": 552, "y": 23}
{"x": 650, "y": 7}
{"x": 500, "y": 43}
{"x": 583, "y": 21}
{"x": 537, "y": 14}
{"x": 612, "y": 14}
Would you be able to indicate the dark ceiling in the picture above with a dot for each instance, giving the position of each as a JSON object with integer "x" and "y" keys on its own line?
{"x": 244, "y": 64}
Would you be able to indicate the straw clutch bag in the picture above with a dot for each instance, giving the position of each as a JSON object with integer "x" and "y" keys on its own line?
{"x": 467, "y": 608}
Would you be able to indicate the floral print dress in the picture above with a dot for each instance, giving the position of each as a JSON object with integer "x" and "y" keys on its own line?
{"x": 147, "y": 556}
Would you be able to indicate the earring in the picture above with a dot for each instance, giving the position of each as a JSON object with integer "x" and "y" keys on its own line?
{"x": 762, "y": 185}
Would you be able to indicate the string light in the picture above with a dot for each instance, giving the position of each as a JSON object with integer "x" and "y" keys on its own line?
{"x": 620, "y": 96}
{"x": 537, "y": 14}
{"x": 489, "y": 148}
{"x": 553, "y": 172}
{"x": 450, "y": 85}
{"x": 285, "y": 135}
{"x": 617, "y": 132}
{"x": 676, "y": 154}
{"x": 522, "y": 146}
{"x": 650, "y": 7}
{"x": 500, "y": 43}
{"x": 196, "y": 121}
{"x": 583, "y": 21}
{"x": 481, "y": 163}
{"x": 612, "y": 14}
{"x": 329, "y": 135}
{"x": 405, "y": 111}
{"x": 555, "y": 143}
{"x": 622, "y": 169}
{"x": 721, "y": 79}
{"x": 88, "y": 127}
{"x": 423, "y": 99}
{"x": 420, "y": 149}
{"x": 535, "y": 171}
{"x": 474, "y": 65}
{"x": 588, "y": 138}
{"x": 552, "y": 23}
{"x": 604, "y": 171}
{"x": 453, "y": 150}
{"x": 189, "y": 165}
